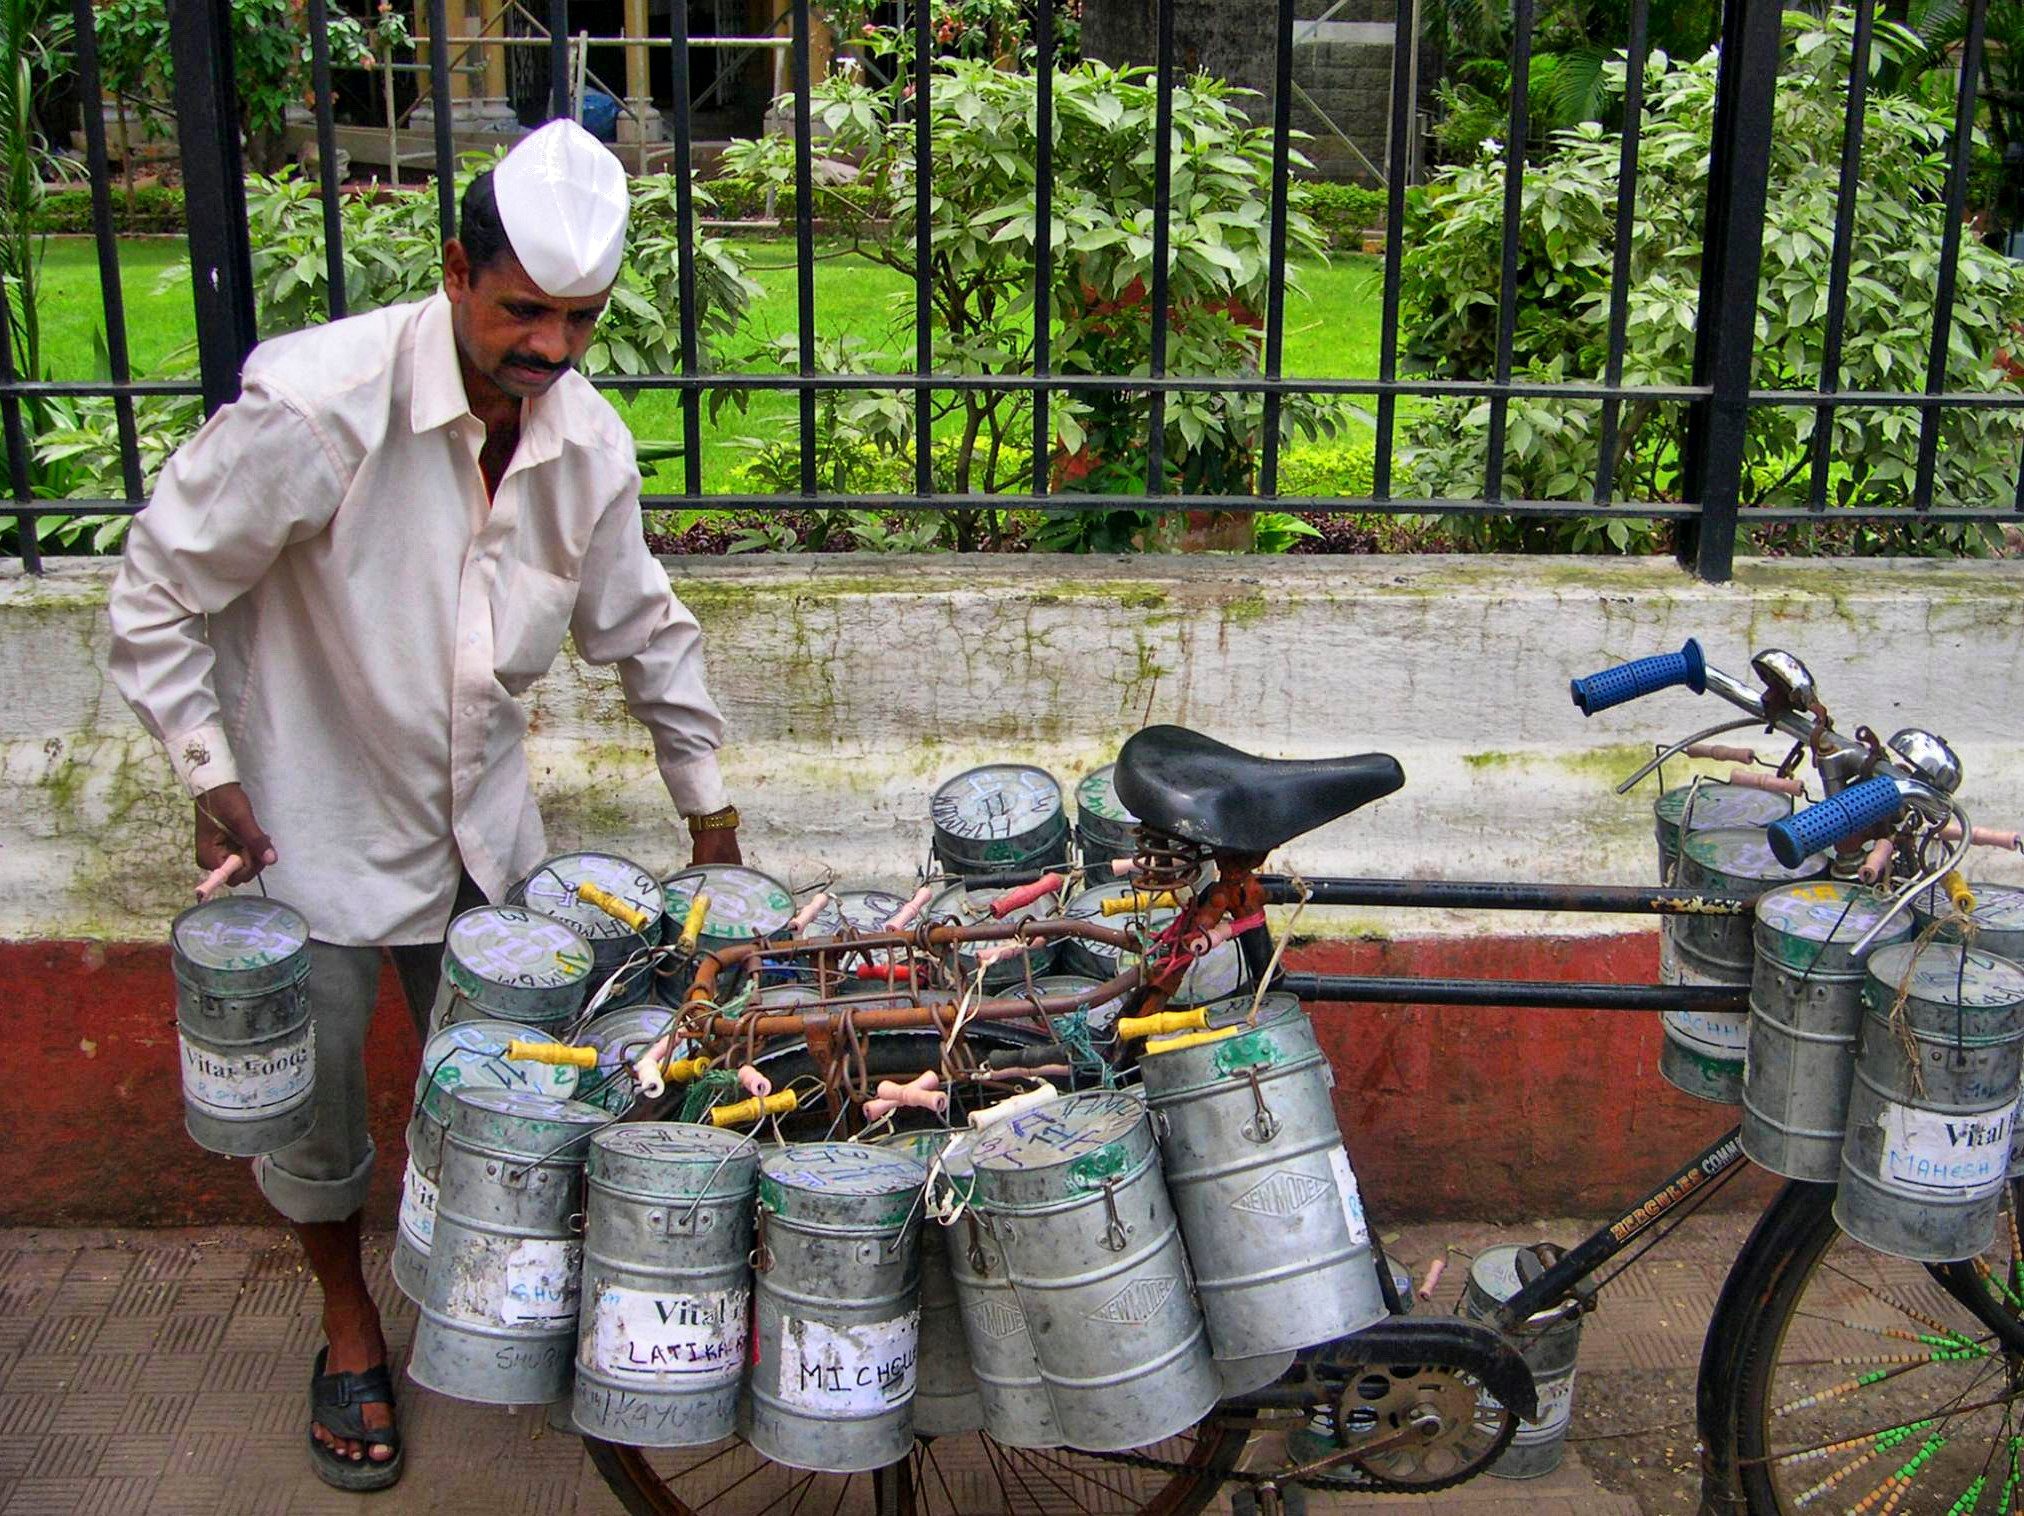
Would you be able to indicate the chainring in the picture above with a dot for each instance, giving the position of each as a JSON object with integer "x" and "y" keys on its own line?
{"x": 1377, "y": 1403}
{"x": 1440, "y": 1427}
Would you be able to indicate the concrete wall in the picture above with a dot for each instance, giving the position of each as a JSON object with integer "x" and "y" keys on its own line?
{"x": 853, "y": 685}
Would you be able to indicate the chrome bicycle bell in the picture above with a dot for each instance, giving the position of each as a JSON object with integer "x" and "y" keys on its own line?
{"x": 1928, "y": 757}
{"x": 1788, "y": 681}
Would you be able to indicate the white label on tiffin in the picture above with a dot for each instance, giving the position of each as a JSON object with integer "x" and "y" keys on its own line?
{"x": 241, "y": 1086}
{"x": 1718, "y": 1034}
{"x": 861, "y": 1368}
{"x": 1556, "y": 1409}
{"x": 418, "y": 1208}
{"x": 1962, "y": 1156}
{"x": 646, "y": 1335}
{"x": 542, "y": 1281}
{"x": 1352, "y": 1202}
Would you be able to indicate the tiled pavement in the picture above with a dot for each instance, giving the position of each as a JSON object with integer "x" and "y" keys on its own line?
{"x": 163, "y": 1372}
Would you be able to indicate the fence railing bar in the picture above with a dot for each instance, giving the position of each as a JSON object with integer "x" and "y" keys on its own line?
{"x": 1725, "y": 328}
{"x": 1043, "y": 237}
{"x": 112, "y": 295}
{"x": 1507, "y": 280}
{"x": 1275, "y": 256}
{"x": 323, "y": 106}
{"x": 558, "y": 59}
{"x": 1843, "y": 251}
{"x": 1163, "y": 167}
{"x": 1064, "y": 503}
{"x": 1626, "y": 231}
{"x": 1950, "y": 249}
{"x": 439, "y": 99}
{"x": 214, "y": 194}
{"x": 2019, "y": 507}
{"x": 924, "y": 252}
{"x": 1405, "y": 42}
{"x": 29, "y": 389}
{"x": 683, "y": 168}
{"x": 1211, "y": 384}
{"x": 18, "y": 481}
{"x": 804, "y": 236}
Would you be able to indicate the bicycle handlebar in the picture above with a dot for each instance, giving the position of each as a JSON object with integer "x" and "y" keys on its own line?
{"x": 1837, "y": 819}
{"x": 1641, "y": 676}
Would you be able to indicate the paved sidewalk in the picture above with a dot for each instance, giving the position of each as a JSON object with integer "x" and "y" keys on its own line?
{"x": 163, "y": 1372}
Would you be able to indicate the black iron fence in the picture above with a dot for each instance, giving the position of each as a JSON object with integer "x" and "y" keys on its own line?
{"x": 1719, "y": 402}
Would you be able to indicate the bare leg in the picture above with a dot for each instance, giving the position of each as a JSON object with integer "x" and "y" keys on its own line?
{"x": 351, "y": 1322}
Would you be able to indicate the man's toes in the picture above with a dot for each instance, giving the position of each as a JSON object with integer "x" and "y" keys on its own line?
{"x": 380, "y": 1452}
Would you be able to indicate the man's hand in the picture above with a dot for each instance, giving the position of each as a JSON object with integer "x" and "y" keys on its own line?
{"x": 225, "y": 826}
{"x": 716, "y": 847}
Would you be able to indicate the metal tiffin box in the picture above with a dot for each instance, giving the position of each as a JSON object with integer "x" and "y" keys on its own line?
{"x": 248, "y": 1046}
{"x": 470, "y": 1055}
{"x": 837, "y": 1307}
{"x": 1927, "y": 1149}
{"x": 498, "y": 1317}
{"x": 1255, "y": 1164}
{"x": 1073, "y": 1192}
{"x": 667, "y": 1283}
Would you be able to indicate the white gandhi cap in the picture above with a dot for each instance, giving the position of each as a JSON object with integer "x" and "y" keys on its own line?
{"x": 562, "y": 201}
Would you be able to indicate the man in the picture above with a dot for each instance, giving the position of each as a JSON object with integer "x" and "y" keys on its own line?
{"x": 325, "y": 613}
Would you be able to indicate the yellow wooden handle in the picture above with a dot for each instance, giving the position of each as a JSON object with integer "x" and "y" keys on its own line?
{"x": 753, "y": 1110}
{"x": 1958, "y": 892}
{"x": 612, "y": 906}
{"x": 1126, "y": 905}
{"x": 558, "y": 1053}
{"x": 692, "y": 924}
{"x": 1133, "y": 1027}
{"x": 682, "y": 1070}
{"x": 1190, "y": 1040}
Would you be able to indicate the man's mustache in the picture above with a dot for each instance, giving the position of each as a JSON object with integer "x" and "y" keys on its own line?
{"x": 528, "y": 360}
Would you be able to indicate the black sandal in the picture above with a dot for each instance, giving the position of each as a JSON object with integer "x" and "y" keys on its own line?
{"x": 334, "y": 1401}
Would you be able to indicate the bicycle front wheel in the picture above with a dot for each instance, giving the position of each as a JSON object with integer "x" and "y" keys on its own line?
{"x": 1864, "y": 1383}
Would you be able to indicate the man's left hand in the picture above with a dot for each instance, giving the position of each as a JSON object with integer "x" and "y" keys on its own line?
{"x": 716, "y": 847}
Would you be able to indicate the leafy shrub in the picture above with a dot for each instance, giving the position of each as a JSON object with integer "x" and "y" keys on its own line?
{"x": 152, "y": 209}
{"x": 392, "y": 254}
{"x": 1566, "y": 231}
{"x": 1341, "y": 213}
{"x": 984, "y": 236}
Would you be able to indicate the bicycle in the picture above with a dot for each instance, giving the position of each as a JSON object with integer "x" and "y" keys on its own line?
{"x": 1814, "y": 1341}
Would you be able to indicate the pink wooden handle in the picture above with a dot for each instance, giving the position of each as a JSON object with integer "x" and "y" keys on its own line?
{"x": 808, "y": 912}
{"x": 1025, "y": 895}
{"x": 1721, "y": 752}
{"x": 1776, "y": 784}
{"x": 905, "y": 916}
{"x": 998, "y": 952}
{"x": 754, "y": 1083}
{"x": 214, "y": 881}
{"x": 921, "y": 1093}
{"x": 1434, "y": 1271}
{"x": 1877, "y": 864}
{"x": 1982, "y": 836}
{"x": 1119, "y": 867}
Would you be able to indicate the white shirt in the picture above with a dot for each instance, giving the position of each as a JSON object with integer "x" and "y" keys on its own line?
{"x": 319, "y": 602}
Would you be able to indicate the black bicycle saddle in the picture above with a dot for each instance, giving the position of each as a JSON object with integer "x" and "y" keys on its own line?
{"x": 1193, "y": 787}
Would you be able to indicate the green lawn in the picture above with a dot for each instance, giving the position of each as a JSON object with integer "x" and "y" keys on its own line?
{"x": 1331, "y": 326}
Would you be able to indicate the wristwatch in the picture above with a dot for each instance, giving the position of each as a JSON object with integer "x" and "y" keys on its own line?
{"x": 725, "y": 820}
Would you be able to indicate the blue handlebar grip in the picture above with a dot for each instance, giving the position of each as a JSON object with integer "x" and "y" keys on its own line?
{"x": 1836, "y": 819}
{"x": 1644, "y": 676}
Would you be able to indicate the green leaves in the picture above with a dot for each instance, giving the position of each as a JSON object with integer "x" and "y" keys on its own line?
{"x": 1567, "y": 248}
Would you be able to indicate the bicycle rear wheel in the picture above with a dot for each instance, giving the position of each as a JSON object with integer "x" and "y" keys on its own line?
{"x": 1860, "y": 1382}
{"x": 944, "y": 1476}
